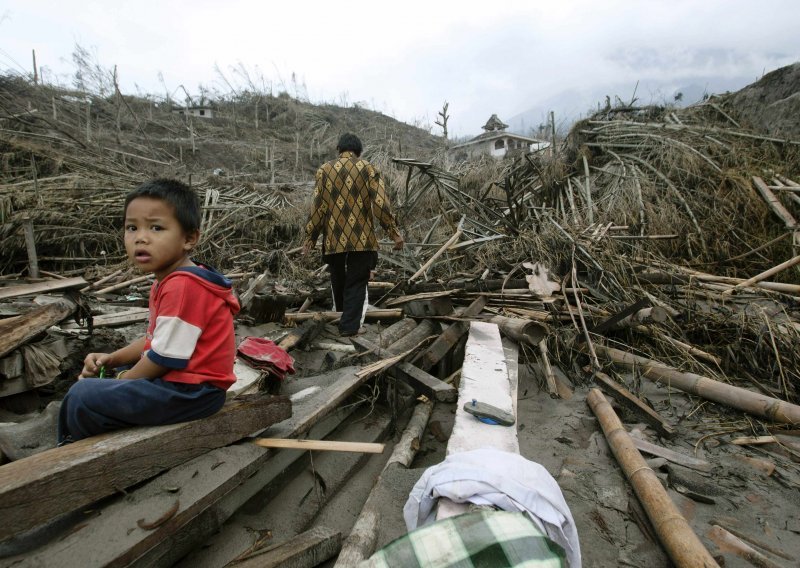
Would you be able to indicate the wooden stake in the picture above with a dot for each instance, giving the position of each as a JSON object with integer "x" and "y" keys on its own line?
{"x": 326, "y": 445}
{"x": 30, "y": 244}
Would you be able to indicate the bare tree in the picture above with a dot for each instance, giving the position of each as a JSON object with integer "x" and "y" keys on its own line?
{"x": 444, "y": 118}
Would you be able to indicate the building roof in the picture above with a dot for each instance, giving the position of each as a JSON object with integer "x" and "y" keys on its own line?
{"x": 494, "y": 123}
{"x": 493, "y": 136}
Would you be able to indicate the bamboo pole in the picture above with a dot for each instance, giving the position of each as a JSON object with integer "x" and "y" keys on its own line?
{"x": 735, "y": 397}
{"x": 764, "y": 275}
{"x": 674, "y": 532}
{"x": 125, "y": 284}
{"x": 549, "y": 376}
{"x": 439, "y": 252}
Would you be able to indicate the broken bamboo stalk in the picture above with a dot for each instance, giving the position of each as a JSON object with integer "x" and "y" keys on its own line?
{"x": 125, "y": 284}
{"x": 727, "y": 542}
{"x": 360, "y": 543}
{"x": 439, "y": 252}
{"x": 371, "y": 315}
{"x": 521, "y": 330}
{"x": 735, "y": 397}
{"x": 549, "y": 376}
{"x": 675, "y": 534}
{"x": 764, "y": 275}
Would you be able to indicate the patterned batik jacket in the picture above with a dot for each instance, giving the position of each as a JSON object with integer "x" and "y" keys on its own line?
{"x": 349, "y": 194}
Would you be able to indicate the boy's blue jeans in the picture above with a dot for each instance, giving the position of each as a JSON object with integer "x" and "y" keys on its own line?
{"x": 94, "y": 406}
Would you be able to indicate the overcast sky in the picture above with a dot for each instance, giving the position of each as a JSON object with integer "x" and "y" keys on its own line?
{"x": 406, "y": 58}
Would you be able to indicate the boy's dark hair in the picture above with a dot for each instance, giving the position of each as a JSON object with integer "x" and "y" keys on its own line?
{"x": 349, "y": 143}
{"x": 182, "y": 198}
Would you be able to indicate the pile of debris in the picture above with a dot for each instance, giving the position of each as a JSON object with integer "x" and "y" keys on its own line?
{"x": 653, "y": 255}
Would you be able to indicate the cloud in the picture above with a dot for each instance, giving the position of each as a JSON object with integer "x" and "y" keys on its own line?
{"x": 407, "y": 59}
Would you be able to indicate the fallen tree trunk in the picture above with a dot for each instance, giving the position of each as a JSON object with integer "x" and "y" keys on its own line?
{"x": 729, "y": 395}
{"x": 680, "y": 542}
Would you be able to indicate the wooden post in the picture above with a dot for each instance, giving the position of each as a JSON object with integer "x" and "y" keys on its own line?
{"x": 680, "y": 542}
{"x": 88, "y": 120}
{"x": 30, "y": 244}
{"x": 589, "y": 205}
{"x": 35, "y": 69}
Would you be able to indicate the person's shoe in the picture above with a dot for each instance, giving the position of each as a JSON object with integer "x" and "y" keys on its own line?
{"x": 360, "y": 331}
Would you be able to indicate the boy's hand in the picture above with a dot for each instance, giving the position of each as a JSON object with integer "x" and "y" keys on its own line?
{"x": 92, "y": 364}
{"x": 398, "y": 242}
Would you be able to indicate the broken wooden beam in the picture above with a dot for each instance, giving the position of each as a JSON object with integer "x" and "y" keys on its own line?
{"x": 632, "y": 403}
{"x": 303, "y": 334}
{"x": 38, "y": 488}
{"x": 371, "y": 315}
{"x": 306, "y": 550}
{"x": 421, "y": 381}
{"x": 320, "y": 445}
{"x": 448, "y": 339}
{"x": 42, "y": 287}
{"x": 212, "y": 487}
{"x": 17, "y": 330}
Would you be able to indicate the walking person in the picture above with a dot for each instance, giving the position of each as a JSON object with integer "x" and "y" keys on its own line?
{"x": 348, "y": 196}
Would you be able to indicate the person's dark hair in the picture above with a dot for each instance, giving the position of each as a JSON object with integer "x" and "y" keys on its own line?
{"x": 182, "y": 198}
{"x": 349, "y": 143}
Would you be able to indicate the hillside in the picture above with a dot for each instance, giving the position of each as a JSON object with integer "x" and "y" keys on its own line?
{"x": 65, "y": 153}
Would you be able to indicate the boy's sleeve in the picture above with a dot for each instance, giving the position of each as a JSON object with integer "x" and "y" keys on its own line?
{"x": 180, "y": 319}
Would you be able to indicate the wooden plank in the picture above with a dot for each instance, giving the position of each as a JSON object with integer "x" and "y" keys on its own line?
{"x": 38, "y": 488}
{"x": 246, "y": 377}
{"x": 490, "y": 374}
{"x": 675, "y": 457}
{"x": 484, "y": 377}
{"x": 132, "y": 315}
{"x": 421, "y": 381}
{"x": 42, "y": 287}
{"x": 18, "y": 330}
{"x": 324, "y": 445}
{"x": 624, "y": 397}
{"x": 306, "y": 550}
{"x": 221, "y": 474}
{"x": 450, "y": 337}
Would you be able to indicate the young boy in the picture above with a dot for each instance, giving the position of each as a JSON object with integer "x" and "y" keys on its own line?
{"x": 184, "y": 364}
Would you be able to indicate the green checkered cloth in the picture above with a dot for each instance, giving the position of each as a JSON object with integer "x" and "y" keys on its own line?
{"x": 485, "y": 539}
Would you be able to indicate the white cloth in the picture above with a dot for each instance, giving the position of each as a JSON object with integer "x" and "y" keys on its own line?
{"x": 505, "y": 480}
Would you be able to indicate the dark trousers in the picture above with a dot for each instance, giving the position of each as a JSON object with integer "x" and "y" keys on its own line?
{"x": 94, "y": 406}
{"x": 349, "y": 280}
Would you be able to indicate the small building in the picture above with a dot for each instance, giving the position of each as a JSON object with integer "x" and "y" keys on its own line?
{"x": 496, "y": 142}
{"x": 202, "y": 111}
